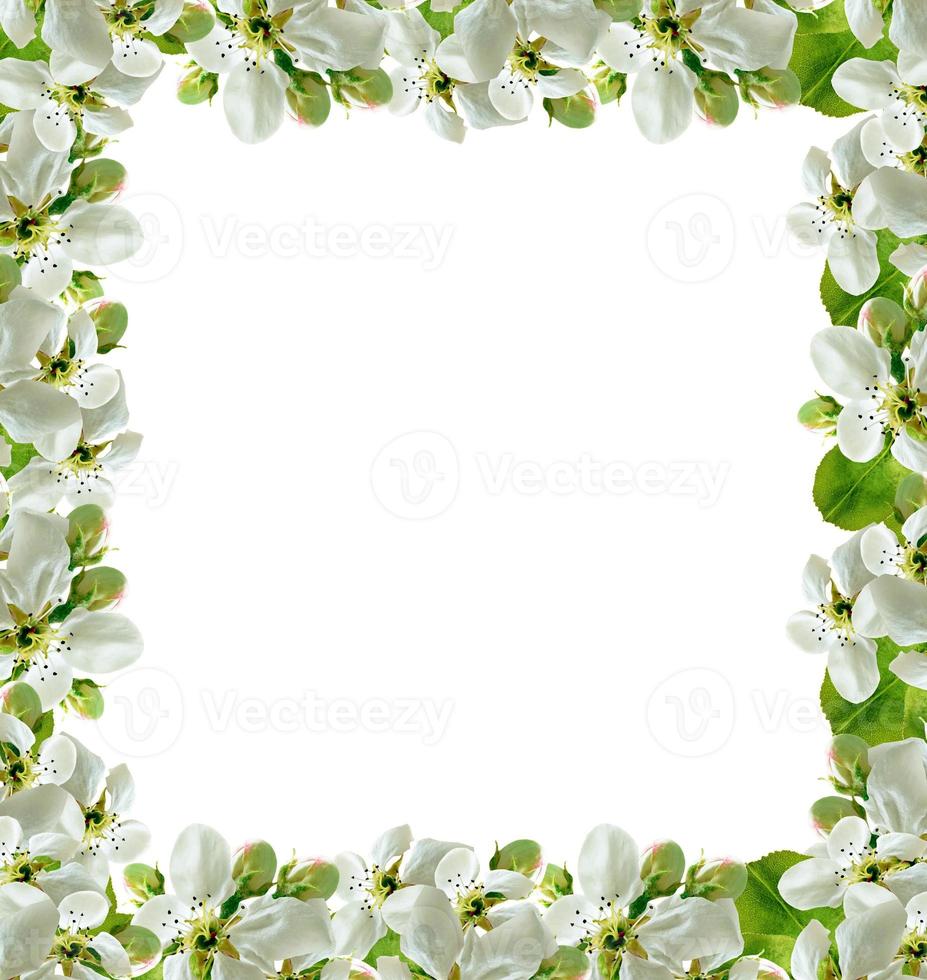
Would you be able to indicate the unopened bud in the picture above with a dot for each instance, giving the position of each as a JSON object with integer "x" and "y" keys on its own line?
{"x": 716, "y": 98}
{"x": 98, "y": 180}
{"x": 820, "y": 414}
{"x": 715, "y": 880}
{"x": 610, "y": 85}
{"x": 305, "y": 880}
{"x": 849, "y": 763}
{"x": 142, "y": 947}
{"x": 770, "y": 87}
{"x": 23, "y": 702}
{"x": 910, "y": 496}
{"x": 194, "y": 23}
{"x": 884, "y": 322}
{"x": 662, "y": 868}
{"x": 197, "y": 86}
{"x": 87, "y": 530}
{"x": 915, "y": 295}
{"x": 523, "y": 856}
{"x": 10, "y": 276}
{"x": 254, "y": 869}
{"x": 308, "y": 98}
{"x": 556, "y": 883}
{"x": 826, "y": 813}
{"x": 568, "y": 963}
{"x": 362, "y": 87}
{"x": 83, "y": 287}
{"x": 85, "y": 699}
{"x": 143, "y": 882}
{"x": 98, "y": 588}
{"x": 111, "y": 321}
{"x": 573, "y": 111}
{"x": 619, "y": 9}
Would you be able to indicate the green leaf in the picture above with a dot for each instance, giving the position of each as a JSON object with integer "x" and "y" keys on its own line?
{"x": 815, "y": 58}
{"x": 35, "y": 50}
{"x": 831, "y": 19}
{"x": 852, "y": 495}
{"x": 769, "y": 924}
{"x": 894, "y": 712}
{"x": 844, "y": 308}
{"x": 20, "y": 454}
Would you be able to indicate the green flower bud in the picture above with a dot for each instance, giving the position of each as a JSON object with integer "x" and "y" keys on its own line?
{"x": 305, "y": 880}
{"x": 715, "y": 880}
{"x": 915, "y": 296}
{"x": 98, "y": 588}
{"x": 10, "y": 276}
{"x": 362, "y": 87}
{"x": 826, "y": 813}
{"x": 770, "y": 87}
{"x": 556, "y": 883}
{"x": 820, "y": 414}
{"x": 611, "y": 85}
{"x": 143, "y": 882}
{"x": 98, "y": 180}
{"x": 523, "y": 856}
{"x": 84, "y": 286}
{"x": 716, "y": 99}
{"x": 87, "y": 532}
{"x": 111, "y": 321}
{"x": 197, "y": 86}
{"x": 620, "y": 9}
{"x": 885, "y": 323}
{"x": 194, "y": 23}
{"x": 849, "y": 762}
{"x": 254, "y": 869}
{"x": 308, "y": 98}
{"x": 662, "y": 868}
{"x": 910, "y": 495}
{"x": 142, "y": 947}
{"x": 574, "y": 111}
{"x": 85, "y": 699}
{"x": 23, "y": 702}
{"x": 568, "y": 963}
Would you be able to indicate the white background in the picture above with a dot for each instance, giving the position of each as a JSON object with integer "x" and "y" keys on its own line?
{"x": 606, "y": 653}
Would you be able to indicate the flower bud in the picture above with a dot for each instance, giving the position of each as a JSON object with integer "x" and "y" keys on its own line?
{"x": 826, "y": 813}
{"x": 23, "y": 702}
{"x": 573, "y": 111}
{"x": 142, "y": 947}
{"x": 715, "y": 880}
{"x": 884, "y": 322}
{"x": 568, "y": 963}
{"x": 556, "y": 883}
{"x": 197, "y": 86}
{"x": 111, "y": 321}
{"x": 662, "y": 868}
{"x": 83, "y": 287}
{"x": 254, "y": 869}
{"x": 85, "y": 699}
{"x": 915, "y": 296}
{"x": 820, "y": 414}
{"x": 849, "y": 763}
{"x": 143, "y": 882}
{"x": 620, "y": 9}
{"x": 362, "y": 87}
{"x": 308, "y": 98}
{"x": 87, "y": 531}
{"x": 716, "y": 98}
{"x": 610, "y": 85}
{"x": 10, "y": 276}
{"x": 770, "y": 87}
{"x": 98, "y": 588}
{"x": 194, "y": 23}
{"x": 910, "y": 495}
{"x": 305, "y": 880}
{"x": 523, "y": 856}
{"x": 98, "y": 180}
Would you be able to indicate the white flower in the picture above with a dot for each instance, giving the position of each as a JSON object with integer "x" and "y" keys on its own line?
{"x": 18, "y": 21}
{"x": 238, "y": 944}
{"x": 832, "y": 221}
{"x": 877, "y": 405}
{"x": 25, "y": 911}
{"x": 888, "y": 935}
{"x": 22, "y": 766}
{"x": 45, "y": 653}
{"x": 723, "y": 36}
{"x": 829, "y": 627}
{"x": 599, "y": 914}
{"x": 895, "y": 92}
{"x": 908, "y": 28}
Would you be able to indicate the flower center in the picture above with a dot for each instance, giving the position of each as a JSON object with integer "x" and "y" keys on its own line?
{"x": 472, "y": 906}
{"x": 914, "y": 948}
{"x": 904, "y": 406}
{"x": 69, "y": 946}
{"x": 30, "y": 231}
{"x": 382, "y": 884}
{"x": 526, "y": 60}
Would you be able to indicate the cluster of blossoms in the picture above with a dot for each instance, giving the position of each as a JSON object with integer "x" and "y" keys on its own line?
{"x": 75, "y": 897}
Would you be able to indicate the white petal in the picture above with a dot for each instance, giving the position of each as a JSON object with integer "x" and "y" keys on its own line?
{"x": 201, "y": 866}
{"x": 253, "y": 100}
{"x": 609, "y": 865}
{"x": 865, "y": 84}
{"x": 854, "y": 670}
{"x": 812, "y": 884}
{"x": 662, "y": 101}
{"x": 102, "y": 234}
{"x": 859, "y": 432}
{"x": 849, "y": 362}
{"x": 100, "y": 642}
{"x": 853, "y": 260}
